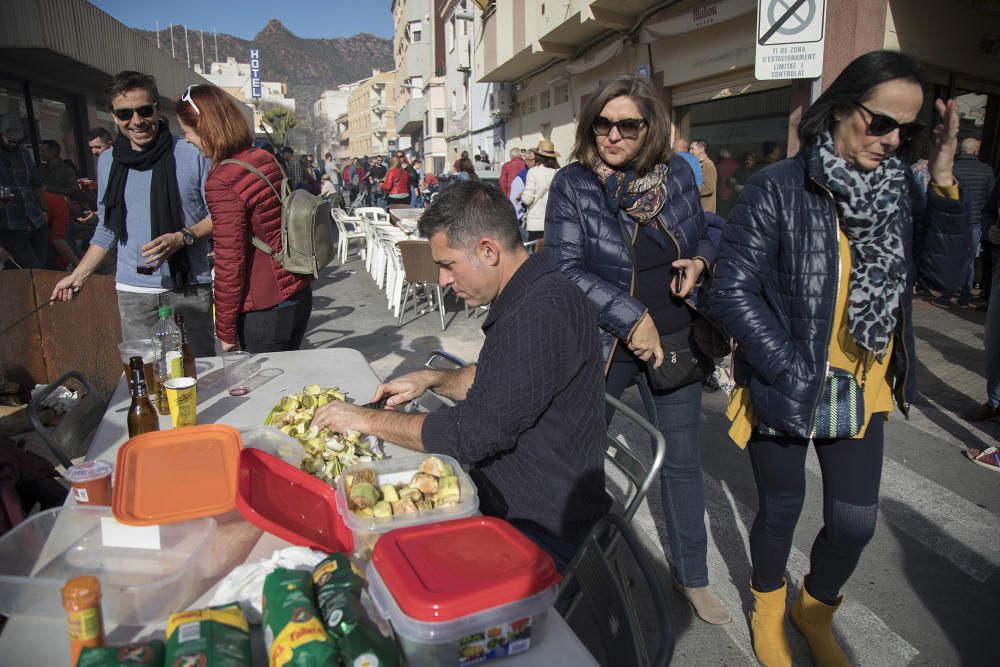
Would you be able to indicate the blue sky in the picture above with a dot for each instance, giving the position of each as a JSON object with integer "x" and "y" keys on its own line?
{"x": 245, "y": 18}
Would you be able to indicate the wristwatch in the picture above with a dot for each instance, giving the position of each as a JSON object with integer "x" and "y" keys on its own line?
{"x": 187, "y": 237}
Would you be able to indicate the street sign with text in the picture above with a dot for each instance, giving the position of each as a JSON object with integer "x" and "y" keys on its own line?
{"x": 790, "y": 36}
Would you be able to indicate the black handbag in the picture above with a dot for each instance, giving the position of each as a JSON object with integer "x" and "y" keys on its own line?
{"x": 683, "y": 363}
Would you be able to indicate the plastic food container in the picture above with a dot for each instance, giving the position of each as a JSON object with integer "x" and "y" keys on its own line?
{"x": 90, "y": 482}
{"x": 176, "y": 475}
{"x": 292, "y": 504}
{"x": 366, "y": 531}
{"x": 464, "y": 591}
{"x": 274, "y": 442}
{"x": 139, "y": 586}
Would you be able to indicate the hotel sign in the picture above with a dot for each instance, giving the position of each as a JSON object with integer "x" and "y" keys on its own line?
{"x": 255, "y": 73}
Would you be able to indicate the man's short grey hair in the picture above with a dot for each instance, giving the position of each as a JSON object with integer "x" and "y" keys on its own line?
{"x": 515, "y": 152}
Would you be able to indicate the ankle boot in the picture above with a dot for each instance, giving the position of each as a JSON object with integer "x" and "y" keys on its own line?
{"x": 767, "y": 628}
{"x": 814, "y": 619}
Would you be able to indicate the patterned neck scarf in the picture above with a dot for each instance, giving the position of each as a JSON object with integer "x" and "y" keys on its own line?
{"x": 869, "y": 206}
{"x": 640, "y": 197}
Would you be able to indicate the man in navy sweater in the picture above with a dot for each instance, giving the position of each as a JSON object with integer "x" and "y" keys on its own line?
{"x": 529, "y": 417}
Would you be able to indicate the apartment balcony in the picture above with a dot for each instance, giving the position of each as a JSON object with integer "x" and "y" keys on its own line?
{"x": 379, "y": 129}
{"x": 410, "y": 118}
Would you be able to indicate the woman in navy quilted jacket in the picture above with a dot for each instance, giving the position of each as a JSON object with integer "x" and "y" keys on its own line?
{"x": 259, "y": 306}
{"x": 625, "y": 223}
{"x": 814, "y": 282}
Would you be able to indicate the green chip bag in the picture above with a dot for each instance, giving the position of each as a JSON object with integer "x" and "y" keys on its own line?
{"x": 293, "y": 632}
{"x": 338, "y": 595}
{"x": 137, "y": 653}
{"x": 213, "y": 637}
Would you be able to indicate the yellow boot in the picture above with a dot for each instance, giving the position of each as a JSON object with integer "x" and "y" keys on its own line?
{"x": 814, "y": 620}
{"x": 767, "y": 627}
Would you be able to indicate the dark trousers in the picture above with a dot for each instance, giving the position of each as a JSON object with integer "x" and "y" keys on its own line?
{"x": 851, "y": 473}
{"x": 29, "y": 249}
{"x": 277, "y": 329}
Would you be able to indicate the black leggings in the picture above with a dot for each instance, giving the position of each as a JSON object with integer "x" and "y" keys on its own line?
{"x": 277, "y": 329}
{"x": 851, "y": 473}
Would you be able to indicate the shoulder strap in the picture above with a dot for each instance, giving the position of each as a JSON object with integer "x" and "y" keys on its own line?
{"x": 257, "y": 242}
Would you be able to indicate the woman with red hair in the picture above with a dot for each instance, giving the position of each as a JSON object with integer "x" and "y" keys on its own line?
{"x": 259, "y": 306}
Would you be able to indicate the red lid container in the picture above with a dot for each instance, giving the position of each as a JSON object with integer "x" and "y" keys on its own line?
{"x": 444, "y": 571}
{"x": 290, "y": 503}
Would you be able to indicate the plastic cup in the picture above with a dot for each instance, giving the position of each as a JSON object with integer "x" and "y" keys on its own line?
{"x": 91, "y": 482}
{"x": 182, "y": 401}
{"x": 149, "y": 350}
{"x": 238, "y": 370}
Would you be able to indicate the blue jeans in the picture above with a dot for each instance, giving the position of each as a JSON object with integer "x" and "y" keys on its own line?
{"x": 991, "y": 331}
{"x": 970, "y": 271}
{"x": 677, "y": 413}
{"x": 138, "y": 313}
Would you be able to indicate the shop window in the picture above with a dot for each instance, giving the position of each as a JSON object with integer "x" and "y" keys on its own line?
{"x": 544, "y": 99}
{"x": 736, "y": 126}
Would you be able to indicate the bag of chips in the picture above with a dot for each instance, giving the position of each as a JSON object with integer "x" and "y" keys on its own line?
{"x": 213, "y": 637}
{"x": 293, "y": 632}
{"x": 137, "y": 653}
{"x": 338, "y": 595}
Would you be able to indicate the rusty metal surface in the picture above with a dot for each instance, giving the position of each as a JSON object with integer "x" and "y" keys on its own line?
{"x": 81, "y": 335}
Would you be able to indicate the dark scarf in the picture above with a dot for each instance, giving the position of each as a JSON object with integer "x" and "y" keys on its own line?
{"x": 869, "y": 206}
{"x": 164, "y": 199}
{"x": 640, "y": 197}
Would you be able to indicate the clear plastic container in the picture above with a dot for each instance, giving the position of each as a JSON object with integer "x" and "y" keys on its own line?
{"x": 462, "y": 592}
{"x": 392, "y": 471}
{"x": 275, "y": 443}
{"x": 139, "y": 586}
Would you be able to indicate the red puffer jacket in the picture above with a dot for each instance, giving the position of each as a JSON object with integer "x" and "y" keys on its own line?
{"x": 246, "y": 279}
{"x": 397, "y": 182}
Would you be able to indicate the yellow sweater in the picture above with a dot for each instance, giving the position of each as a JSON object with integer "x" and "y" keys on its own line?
{"x": 844, "y": 354}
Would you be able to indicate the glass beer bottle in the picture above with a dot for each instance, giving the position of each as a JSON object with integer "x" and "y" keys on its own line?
{"x": 142, "y": 417}
{"x": 190, "y": 370}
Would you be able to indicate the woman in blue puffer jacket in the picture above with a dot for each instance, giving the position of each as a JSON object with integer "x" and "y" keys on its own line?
{"x": 625, "y": 223}
{"x": 814, "y": 282}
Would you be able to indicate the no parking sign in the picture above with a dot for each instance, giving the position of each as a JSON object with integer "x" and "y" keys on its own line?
{"x": 790, "y": 39}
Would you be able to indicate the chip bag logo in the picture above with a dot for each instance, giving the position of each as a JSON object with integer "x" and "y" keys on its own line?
{"x": 300, "y": 615}
{"x": 192, "y": 660}
{"x": 138, "y": 653}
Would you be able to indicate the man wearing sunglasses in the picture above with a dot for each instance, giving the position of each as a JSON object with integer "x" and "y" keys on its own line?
{"x": 152, "y": 208}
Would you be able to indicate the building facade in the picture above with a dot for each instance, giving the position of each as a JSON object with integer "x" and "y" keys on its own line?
{"x": 547, "y": 59}
{"x": 416, "y": 47}
{"x": 326, "y": 110}
{"x": 371, "y": 115}
{"x": 472, "y": 126}
{"x": 234, "y": 78}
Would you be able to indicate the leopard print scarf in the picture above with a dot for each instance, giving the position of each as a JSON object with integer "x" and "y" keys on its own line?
{"x": 869, "y": 208}
{"x": 642, "y": 197}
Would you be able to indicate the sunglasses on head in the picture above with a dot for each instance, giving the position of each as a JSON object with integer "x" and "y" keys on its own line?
{"x": 145, "y": 111}
{"x": 186, "y": 97}
{"x": 628, "y": 128}
{"x": 881, "y": 125}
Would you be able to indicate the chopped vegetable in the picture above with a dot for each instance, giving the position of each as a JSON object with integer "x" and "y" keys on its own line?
{"x": 425, "y": 491}
{"x": 327, "y": 453}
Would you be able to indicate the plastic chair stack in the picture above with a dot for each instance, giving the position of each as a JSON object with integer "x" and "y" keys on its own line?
{"x": 348, "y": 229}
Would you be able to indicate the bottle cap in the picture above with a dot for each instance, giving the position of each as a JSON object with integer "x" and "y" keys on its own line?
{"x": 81, "y": 593}
{"x": 164, "y": 311}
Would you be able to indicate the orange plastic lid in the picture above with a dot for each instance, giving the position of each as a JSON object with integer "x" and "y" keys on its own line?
{"x": 176, "y": 475}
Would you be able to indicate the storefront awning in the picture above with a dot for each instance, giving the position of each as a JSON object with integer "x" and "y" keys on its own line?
{"x": 695, "y": 18}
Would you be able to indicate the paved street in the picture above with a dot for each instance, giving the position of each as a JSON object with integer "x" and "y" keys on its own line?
{"x": 926, "y": 591}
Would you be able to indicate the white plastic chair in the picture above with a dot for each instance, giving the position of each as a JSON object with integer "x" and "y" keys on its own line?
{"x": 348, "y": 230}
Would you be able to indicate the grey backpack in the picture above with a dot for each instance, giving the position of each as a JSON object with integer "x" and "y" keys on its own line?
{"x": 306, "y": 235}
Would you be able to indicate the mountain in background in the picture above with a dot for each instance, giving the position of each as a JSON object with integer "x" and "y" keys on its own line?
{"x": 308, "y": 66}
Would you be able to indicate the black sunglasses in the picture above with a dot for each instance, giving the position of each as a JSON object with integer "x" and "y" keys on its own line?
{"x": 881, "y": 125}
{"x": 145, "y": 111}
{"x": 628, "y": 128}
